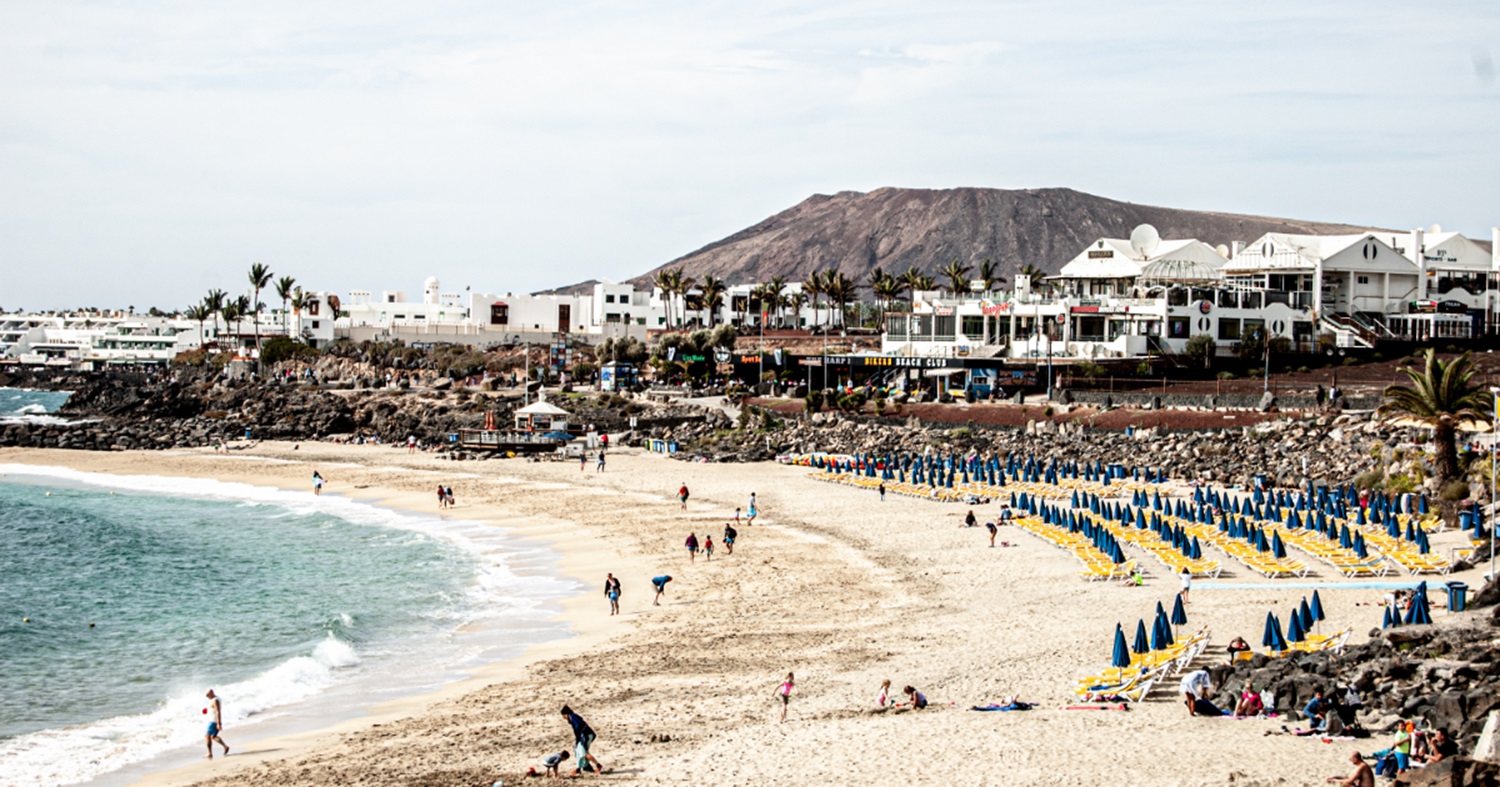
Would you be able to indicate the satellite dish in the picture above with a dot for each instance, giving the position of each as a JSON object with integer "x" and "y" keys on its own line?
{"x": 1144, "y": 240}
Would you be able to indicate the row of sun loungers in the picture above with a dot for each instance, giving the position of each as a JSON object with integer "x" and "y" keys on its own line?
{"x": 1133, "y": 683}
{"x": 1097, "y": 566}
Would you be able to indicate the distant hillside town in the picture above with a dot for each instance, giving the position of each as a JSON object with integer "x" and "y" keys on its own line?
{"x": 1118, "y": 299}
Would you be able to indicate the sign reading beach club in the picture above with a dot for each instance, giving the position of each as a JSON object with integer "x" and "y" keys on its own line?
{"x": 899, "y": 362}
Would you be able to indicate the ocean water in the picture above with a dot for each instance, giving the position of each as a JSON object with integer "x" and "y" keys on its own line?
{"x": 22, "y": 404}
{"x": 297, "y": 610}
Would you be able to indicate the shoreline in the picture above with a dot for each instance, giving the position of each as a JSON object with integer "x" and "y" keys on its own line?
{"x": 830, "y": 583}
{"x": 575, "y": 565}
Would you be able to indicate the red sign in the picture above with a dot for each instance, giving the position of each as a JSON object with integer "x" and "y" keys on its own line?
{"x": 1085, "y": 309}
{"x": 994, "y": 309}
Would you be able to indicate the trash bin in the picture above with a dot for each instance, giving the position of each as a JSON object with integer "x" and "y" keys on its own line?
{"x": 1458, "y": 596}
{"x": 1466, "y": 520}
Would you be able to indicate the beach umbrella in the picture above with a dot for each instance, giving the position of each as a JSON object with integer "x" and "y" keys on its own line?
{"x": 1119, "y": 554}
{"x": 1422, "y": 504}
{"x": 1197, "y": 553}
{"x": 1317, "y": 608}
{"x": 1294, "y": 630}
{"x": 1390, "y": 619}
{"x": 1392, "y": 529}
{"x": 1419, "y": 614}
{"x": 1161, "y": 635}
{"x": 1141, "y": 644}
{"x": 1260, "y": 543}
{"x": 1121, "y": 657}
{"x": 1179, "y": 615}
{"x": 1279, "y": 640}
{"x": 1269, "y": 636}
{"x": 1423, "y": 546}
{"x": 1359, "y": 546}
{"x": 1305, "y": 615}
{"x": 1411, "y": 531}
{"x": 1278, "y": 547}
{"x": 1346, "y": 540}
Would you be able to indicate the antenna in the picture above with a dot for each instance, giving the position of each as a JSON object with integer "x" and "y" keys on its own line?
{"x": 1144, "y": 240}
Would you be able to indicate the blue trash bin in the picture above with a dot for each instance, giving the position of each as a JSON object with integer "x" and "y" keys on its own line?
{"x": 1458, "y": 596}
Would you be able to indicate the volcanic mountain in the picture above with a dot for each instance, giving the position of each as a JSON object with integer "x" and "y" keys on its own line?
{"x": 896, "y": 228}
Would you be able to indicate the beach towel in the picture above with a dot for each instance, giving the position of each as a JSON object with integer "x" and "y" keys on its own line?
{"x": 1009, "y": 707}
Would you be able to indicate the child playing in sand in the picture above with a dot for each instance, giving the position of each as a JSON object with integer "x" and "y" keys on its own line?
{"x": 785, "y": 691}
{"x": 883, "y": 699}
{"x": 553, "y": 762}
{"x": 917, "y": 699}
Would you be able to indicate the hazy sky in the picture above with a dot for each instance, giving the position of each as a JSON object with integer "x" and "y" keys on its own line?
{"x": 152, "y": 150}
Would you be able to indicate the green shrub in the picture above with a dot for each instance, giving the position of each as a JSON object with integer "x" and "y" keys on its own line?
{"x": 814, "y": 403}
{"x": 1370, "y": 480}
{"x": 281, "y": 348}
{"x": 1454, "y": 491}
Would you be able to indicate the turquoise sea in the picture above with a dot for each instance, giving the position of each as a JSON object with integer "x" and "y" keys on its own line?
{"x": 143, "y": 592}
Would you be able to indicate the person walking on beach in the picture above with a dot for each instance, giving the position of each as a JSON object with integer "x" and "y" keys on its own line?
{"x": 583, "y": 738}
{"x": 411, "y": 444}
{"x": 882, "y": 491}
{"x": 599, "y": 468}
{"x": 750, "y": 512}
{"x": 448, "y": 495}
{"x": 214, "y": 725}
{"x": 729, "y": 535}
{"x": 442, "y": 497}
{"x": 682, "y": 495}
{"x": 708, "y": 547}
{"x": 692, "y": 547}
{"x": 1187, "y": 583}
{"x": 317, "y": 483}
{"x": 785, "y": 691}
{"x": 660, "y": 583}
{"x": 583, "y": 461}
{"x": 612, "y": 592}
{"x": 736, "y": 515}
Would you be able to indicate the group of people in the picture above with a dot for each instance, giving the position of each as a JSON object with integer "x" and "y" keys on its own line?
{"x": 916, "y": 700}
{"x": 1408, "y": 747}
{"x": 445, "y": 496}
{"x": 583, "y": 740}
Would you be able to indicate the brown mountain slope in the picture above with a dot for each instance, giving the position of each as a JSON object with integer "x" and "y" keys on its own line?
{"x": 895, "y": 228}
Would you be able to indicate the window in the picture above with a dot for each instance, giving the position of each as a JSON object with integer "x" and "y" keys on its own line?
{"x": 1229, "y": 330}
{"x": 1177, "y": 327}
{"x": 609, "y": 299}
{"x": 973, "y": 326}
{"x": 315, "y": 323}
{"x": 942, "y": 328}
{"x": 1363, "y": 279}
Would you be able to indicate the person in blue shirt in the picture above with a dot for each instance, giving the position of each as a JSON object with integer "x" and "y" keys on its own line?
{"x": 583, "y": 738}
{"x": 661, "y": 587}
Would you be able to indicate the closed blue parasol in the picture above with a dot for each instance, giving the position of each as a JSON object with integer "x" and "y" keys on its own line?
{"x": 1391, "y": 619}
{"x": 1179, "y": 615}
{"x": 1317, "y": 607}
{"x": 1279, "y": 643}
{"x": 1161, "y": 634}
{"x": 1359, "y": 546}
{"x": 1142, "y": 644}
{"x": 1346, "y": 539}
{"x": 1305, "y": 615}
{"x": 1423, "y": 545}
{"x": 1419, "y": 614}
{"x": 1197, "y": 549}
{"x": 1294, "y": 630}
{"x": 1269, "y": 636}
{"x": 1121, "y": 657}
{"x": 1278, "y": 548}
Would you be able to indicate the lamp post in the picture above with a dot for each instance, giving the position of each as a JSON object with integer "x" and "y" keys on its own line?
{"x": 1494, "y": 449}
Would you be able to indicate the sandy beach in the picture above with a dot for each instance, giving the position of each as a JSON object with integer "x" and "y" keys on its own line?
{"x": 829, "y": 583}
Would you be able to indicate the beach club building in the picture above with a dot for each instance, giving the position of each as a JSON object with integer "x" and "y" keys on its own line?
{"x": 1127, "y": 298}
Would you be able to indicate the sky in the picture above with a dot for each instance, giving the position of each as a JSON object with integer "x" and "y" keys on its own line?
{"x": 150, "y": 151}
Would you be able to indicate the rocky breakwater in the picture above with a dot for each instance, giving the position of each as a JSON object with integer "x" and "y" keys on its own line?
{"x": 1329, "y": 448}
{"x": 1443, "y": 676}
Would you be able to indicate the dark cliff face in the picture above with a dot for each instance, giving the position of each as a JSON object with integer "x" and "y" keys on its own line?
{"x": 895, "y": 228}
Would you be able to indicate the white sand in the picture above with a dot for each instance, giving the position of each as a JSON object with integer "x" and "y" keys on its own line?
{"x": 830, "y": 583}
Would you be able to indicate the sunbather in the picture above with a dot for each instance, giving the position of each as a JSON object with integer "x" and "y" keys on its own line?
{"x": 1249, "y": 704}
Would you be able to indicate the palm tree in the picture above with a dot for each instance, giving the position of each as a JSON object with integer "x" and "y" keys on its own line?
{"x": 812, "y": 286}
{"x": 713, "y": 289}
{"x": 1440, "y": 397}
{"x": 681, "y": 284}
{"x": 214, "y": 302}
{"x": 260, "y": 276}
{"x": 234, "y": 310}
{"x": 284, "y": 287}
{"x": 199, "y": 312}
{"x": 299, "y": 302}
{"x": 958, "y": 277}
{"x": 663, "y": 281}
{"x": 989, "y": 275}
{"x": 841, "y": 290}
{"x": 795, "y": 302}
{"x": 887, "y": 290}
{"x": 773, "y": 297}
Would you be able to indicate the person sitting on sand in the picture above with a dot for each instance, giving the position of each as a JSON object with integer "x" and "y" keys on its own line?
{"x": 692, "y": 546}
{"x": 969, "y": 519}
{"x": 883, "y": 699}
{"x": 554, "y": 761}
{"x": 661, "y": 587}
{"x": 1316, "y": 710}
{"x": 915, "y": 698}
{"x": 1237, "y": 646}
{"x": 1249, "y": 704}
{"x": 1362, "y": 776}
